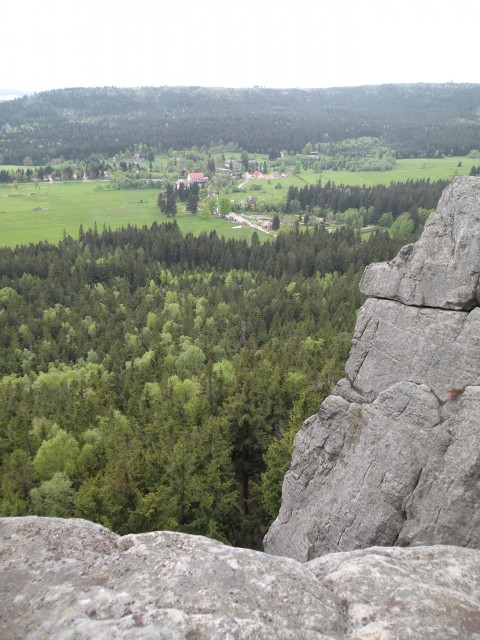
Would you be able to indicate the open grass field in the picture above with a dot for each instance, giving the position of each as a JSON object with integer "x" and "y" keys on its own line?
{"x": 408, "y": 169}
{"x": 32, "y": 213}
{"x": 36, "y": 212}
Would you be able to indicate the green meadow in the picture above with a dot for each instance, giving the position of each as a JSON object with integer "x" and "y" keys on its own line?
{"x": 32, "y": 213}
{"x": 409, "y": 169}
{"x": 36, "y": 212}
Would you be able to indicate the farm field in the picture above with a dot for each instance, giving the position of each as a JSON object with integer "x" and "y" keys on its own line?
{"x": 64, "y": 206}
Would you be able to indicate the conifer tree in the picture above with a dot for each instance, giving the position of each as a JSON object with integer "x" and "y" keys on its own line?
{"x": 193, "y": 197}
{"x": 171, "y": 201}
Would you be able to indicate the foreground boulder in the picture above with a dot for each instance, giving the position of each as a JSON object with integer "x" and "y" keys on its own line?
{"x": 393, "y": 456}
{"x": 72, "y": 579}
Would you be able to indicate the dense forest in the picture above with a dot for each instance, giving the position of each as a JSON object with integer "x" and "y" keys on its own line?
{"x": 151, "y": 380}
{"x": 414, "y": 120}
{"x": 396, "y": 198}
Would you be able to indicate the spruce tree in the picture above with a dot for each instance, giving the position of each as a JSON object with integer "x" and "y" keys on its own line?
{"x": 193, "y": 197}
{"x": 171, "y": 201}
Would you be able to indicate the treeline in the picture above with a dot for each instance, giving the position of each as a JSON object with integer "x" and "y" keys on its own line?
{"x": 92, "y": 169}
{"x": 419, "y": 120}
{"x": 395, "y": 198}
{"x": 151, "y": 380}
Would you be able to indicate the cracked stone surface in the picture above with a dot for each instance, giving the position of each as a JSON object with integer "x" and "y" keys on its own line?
{"x": 393, "y": 456}
{"x": 394, "y": 342}
{"x": 71, "y": 579}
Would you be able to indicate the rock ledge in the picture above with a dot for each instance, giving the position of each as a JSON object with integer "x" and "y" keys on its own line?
{"x": 71, "y": 579}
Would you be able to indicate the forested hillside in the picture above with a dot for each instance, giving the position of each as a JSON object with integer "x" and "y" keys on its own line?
{"x": 416, "y": 120}
{"x": 151, "y": 380}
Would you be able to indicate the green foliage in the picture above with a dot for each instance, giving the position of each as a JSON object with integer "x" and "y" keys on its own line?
{"x": 359, "y": 154}
{"x": 154, "y": 513}
{"x": 386, "y": 220}
{"x": 193, "y": 198}
{"x": 224, "y": 206}
{"x": 190, "y": 361}
{"x": 359, "y": 205}
{"x": 58, "y": 454}
{"x": 279, "y": 452}
{"x": 403, "y": 225}
{"x": 146, "y": 377}
{"x": 53, "y": 497}
{"x": 225, "y": 371}
{"x": 7, "y": 295}
{"x": 167, "y": 202}
{"x": 17, "y": 478}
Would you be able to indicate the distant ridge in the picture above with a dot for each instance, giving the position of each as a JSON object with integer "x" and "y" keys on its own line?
{"x": 11, "y": 94}
{"x": 416, "y": 120}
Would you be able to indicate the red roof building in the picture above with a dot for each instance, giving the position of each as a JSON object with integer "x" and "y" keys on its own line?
{"x": 199, "y": 178}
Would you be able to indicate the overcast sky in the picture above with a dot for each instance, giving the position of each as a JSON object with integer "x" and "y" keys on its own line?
{"x": 284, "y": 43}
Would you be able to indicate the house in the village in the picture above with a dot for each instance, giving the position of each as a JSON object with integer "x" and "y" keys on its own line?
{"x": 199, "y": 178}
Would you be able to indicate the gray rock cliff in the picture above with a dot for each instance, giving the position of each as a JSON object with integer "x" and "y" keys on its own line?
{"x": 393, "y": 456}
{"x": 74, "y": 580}
{"x": 442, "y": 269}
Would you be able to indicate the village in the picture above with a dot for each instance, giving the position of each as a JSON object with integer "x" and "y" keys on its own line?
{"x": 257, "y": 222}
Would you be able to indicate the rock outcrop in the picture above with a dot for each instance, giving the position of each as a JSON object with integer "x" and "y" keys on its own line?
{"x": 72, "y": 579}
{"x": 393, "y": 456}
{"x": 442, "y": 269}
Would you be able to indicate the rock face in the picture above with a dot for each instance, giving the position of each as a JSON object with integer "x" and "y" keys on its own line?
{"x": 393, "y": 456}
{"x": 72, "y": 579}
{"x": 442, "y": 269}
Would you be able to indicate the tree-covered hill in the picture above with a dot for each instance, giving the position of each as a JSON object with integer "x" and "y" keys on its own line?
{"x": 415, "y": 119}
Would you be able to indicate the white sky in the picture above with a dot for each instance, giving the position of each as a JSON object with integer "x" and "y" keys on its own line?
{"x": 48, "y": 44}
